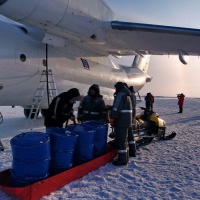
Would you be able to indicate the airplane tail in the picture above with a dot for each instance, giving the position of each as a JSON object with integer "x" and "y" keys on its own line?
{"x": 141, "y": 62}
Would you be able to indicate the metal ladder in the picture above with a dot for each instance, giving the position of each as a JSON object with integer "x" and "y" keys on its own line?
{"x": 52, "y": 90}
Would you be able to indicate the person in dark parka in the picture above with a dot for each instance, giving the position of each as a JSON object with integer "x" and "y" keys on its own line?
{"x": 121, "y": 119}
{"x": 131, "y": 140}
{"x": 148, "y": 100}
{"x": 152, "y": 102}
{"x": 61, "y": 108}
{"x": 92, "y": 107}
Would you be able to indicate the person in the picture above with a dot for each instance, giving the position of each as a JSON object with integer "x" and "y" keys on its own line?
{"x": 61, "y": 108}
{"x": 180, "y": 102}
{"x": 131, "y": 140}
{"x": 121, "y": 118}
{"x": 92, "y": 107}
{"x": 151, "y": 102}
{"x": 148, "y": 100}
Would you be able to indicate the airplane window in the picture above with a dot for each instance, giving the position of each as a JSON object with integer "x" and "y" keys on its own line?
{"x": 22, "y": 57}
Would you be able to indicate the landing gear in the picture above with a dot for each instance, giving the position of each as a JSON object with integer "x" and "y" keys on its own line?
{"x": 27, "y": 112}
{"x": 1, "y": 118}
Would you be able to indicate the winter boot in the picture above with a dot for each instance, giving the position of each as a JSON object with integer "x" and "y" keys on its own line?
{"x": 132, "y": 149}
{"x": 122, "y": 158}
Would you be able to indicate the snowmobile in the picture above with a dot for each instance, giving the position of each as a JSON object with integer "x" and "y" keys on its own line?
{"x": 149, "y": 126}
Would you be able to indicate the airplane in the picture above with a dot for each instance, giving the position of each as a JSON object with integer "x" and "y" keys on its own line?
{"x": 76, "y": 40}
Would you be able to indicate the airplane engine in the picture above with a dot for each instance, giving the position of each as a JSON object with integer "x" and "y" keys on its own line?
{"x": 39, "y": 12}
{"x": 65, "y": 18}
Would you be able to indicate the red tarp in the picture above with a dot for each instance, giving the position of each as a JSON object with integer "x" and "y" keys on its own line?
{"x": 46, "y": 186}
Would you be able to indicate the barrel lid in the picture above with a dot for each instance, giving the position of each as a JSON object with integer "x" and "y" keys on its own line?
{"x": 30, "y": 139}
{"x": 80, "y": 127}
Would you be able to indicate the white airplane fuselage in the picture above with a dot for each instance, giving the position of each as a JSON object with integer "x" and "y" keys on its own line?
{"x": 20, "y": 77}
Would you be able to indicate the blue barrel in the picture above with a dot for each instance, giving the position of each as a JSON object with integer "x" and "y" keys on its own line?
{"x": 62, "y": 149}
{"x": 50, "y": 130}
{"x": 31, "y": 158}
{"x": 100, "y": 141}
{"x": 84, "y": 150}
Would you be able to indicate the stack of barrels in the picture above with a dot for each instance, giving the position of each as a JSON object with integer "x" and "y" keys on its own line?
{"x": 37, "y": 155}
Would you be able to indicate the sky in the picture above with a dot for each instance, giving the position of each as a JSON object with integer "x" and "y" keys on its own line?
{"x": 170, "y": 76}
{"x": 162, "y": 170}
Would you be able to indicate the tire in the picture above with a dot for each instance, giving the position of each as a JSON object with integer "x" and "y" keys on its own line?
{"x": 43, "y": 112}
{"x": 1, "y": 118}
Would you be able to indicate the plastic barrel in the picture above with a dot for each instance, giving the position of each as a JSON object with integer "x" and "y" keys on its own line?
{"x": 62, "y": 149}
{"x": 31, "y": 158}
{"x": 84, "y": 150}
{"x": 100, "y": 141}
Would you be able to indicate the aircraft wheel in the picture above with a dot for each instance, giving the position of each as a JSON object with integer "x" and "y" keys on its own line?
{"x": 43, "y": 112}
{"x": 1, "y": 118}
{"x": 27, "y": 112}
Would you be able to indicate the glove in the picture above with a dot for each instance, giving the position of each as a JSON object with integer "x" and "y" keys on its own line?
{"x": 112, "y": 122}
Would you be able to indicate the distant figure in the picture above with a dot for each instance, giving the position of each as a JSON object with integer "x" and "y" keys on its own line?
{"x": 92, "y": 107}
{"x": 148, "y": 100}
{"x": 152, "y": 102}
{"x": 61, "y": 108}
{"x": 180, "y": 102}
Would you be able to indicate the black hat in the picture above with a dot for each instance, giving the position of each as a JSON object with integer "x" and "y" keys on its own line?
{"x": 74, "y": 92}
{"x": 119, "y": 85}
{"x": 131, "y": 88}
{"x": 95, "y": 87}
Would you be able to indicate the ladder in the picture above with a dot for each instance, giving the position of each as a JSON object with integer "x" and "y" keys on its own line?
{"x": 42, "y": 86}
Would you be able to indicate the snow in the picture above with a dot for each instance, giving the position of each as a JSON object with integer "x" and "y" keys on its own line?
{"x": 162, "y": 170}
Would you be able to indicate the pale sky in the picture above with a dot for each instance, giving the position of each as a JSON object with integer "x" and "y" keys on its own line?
{"x": 170, "y": 76}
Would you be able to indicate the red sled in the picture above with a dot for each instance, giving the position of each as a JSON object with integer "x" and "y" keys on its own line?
{"x": 41, "y": 188}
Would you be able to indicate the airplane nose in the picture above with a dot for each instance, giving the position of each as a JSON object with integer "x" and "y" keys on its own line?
{"x": 2, "y": 2}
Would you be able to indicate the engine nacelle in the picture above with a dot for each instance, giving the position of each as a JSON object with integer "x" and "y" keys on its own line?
{"x": 72, "y": 19}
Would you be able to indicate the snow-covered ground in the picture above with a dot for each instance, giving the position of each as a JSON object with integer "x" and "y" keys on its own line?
{"x": 165, "y": 170}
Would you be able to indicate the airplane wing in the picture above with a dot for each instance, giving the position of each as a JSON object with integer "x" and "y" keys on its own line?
{"x": 136, "y": 38}
{"x": 88, "y": 29}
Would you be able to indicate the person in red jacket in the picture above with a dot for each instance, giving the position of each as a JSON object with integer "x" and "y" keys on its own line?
{"x": 180, "y": 102}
